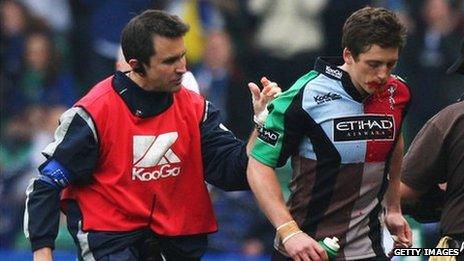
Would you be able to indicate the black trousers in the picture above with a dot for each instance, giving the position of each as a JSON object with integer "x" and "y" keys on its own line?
{"x": 148, "y": 250}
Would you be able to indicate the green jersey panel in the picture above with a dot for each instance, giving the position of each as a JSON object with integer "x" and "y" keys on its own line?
{"x": 269, "y": 144}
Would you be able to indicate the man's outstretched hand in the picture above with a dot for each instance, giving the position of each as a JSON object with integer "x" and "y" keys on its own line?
{"x": 261, "y": 98}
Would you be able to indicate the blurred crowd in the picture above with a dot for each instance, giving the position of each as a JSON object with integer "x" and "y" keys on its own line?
{"x": 53, "y": 51}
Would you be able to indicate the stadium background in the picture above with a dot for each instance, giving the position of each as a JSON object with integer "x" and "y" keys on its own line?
{"x": 53, "y": 51}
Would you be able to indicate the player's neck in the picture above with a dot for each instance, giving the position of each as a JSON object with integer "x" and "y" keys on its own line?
{"x": 345, "y": 67}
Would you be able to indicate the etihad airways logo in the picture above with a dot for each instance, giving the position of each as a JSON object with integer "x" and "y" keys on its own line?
{"x": 153, "y": 157}
{"x": 366, "y": 127}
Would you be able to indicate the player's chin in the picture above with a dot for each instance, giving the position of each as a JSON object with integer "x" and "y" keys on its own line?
{"x": 374, "y": 90}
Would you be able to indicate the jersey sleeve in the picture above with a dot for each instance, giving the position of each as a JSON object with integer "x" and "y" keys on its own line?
{"x": 71, "y": 158}
{"x": 284, "y": 128}
{"x": 224, "y": 156}
{"x": 425, "y": 163}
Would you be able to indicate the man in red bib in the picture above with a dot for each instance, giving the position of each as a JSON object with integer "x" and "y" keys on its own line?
{"x": 130, "y": 159}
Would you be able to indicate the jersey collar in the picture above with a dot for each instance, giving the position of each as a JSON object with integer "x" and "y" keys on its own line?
{"x": 141, "y": 103}
{"x": 329, "y": 67}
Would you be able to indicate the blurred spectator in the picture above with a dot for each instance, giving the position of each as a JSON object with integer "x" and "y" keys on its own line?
{"x": 15, "y": 23}
{"x": 222, "y": 83}
{"x": 42, "y": 80}
{"x": 431, "y": 48}
{"x": 402, "y": 10}
{"x": 288, "y": 38}
{"x": 334, "y": 16}
{"x": 96, "y": 33}
{"x": 202, "y": 16}
{"x": 56, "y": 13}
{"x": 240, "y": 25}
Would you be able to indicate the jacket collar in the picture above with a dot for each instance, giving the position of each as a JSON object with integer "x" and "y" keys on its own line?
{"x": 140, "y": 102}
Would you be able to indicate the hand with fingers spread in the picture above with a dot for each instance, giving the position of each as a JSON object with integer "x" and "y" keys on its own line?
{"x": 261, "y": 98}
{"x": 303, "y": 247}
{"x": 399, "y": 229}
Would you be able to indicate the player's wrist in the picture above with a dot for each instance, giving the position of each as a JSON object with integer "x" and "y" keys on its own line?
{"x": 43, "y": 254}
{"x": 259, "y": 118}
{"x": 288, "y": 230}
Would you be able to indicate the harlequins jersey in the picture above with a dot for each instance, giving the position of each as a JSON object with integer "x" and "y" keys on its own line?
{"x": 340, "y": 144}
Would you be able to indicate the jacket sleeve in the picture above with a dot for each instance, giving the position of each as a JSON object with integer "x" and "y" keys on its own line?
{"x": 71, "y": 158}
{"x": 224, "y": 156}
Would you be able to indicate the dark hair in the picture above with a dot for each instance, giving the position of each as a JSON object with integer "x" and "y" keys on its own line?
{"x": 372, "y": 25}
{"x": 137, "y": 35}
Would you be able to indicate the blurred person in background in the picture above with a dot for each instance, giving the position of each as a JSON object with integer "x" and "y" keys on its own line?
{"x": 202, "y": 16}
{"x": 43, "y": 79}
{"x": 334, "y": 16}
{"x": 130, "y": 159}
{"x": 240, "y": 24}
{"x": 288, "y": 36}
{"x": 96, "y": 35}
{"x": 58, "y": 18}
{"x": 341, "y": 125}
{"x": 56, "y": 14}
{"x": 436, "y": 156}
{"x": 16, "y": 22}
{"x": 431, "y": 47}
{"x": 220, "y": 81}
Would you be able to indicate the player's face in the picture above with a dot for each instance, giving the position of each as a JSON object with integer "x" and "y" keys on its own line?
{"x": 370, "y": 70}
{"x": 167, "y": 66}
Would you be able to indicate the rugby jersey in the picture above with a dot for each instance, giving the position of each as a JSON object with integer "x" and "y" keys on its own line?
{"x": 340, "y": 144}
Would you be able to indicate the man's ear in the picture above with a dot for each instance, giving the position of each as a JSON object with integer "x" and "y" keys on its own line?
{"x": 348, "y": 56}
{"x": 136, "y": 66}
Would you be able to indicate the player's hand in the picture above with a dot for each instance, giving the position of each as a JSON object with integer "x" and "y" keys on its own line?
{"x": 261, "y": 98}
{"x": 43, "y": 254}
{"x": 399, "y": 229}
{"x": 303, "y": 247}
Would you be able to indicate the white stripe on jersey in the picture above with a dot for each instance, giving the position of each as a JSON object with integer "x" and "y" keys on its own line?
{"x": 65, "y": 121}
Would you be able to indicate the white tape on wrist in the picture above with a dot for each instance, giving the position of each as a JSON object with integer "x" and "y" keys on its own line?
{"x": 260, "y": 119}
{"x": 290, "y": 236}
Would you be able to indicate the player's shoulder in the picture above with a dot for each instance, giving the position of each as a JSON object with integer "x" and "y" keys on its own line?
{"x": 400, "y": 84}
{"x": 455, "y": 110}
{"x": 185, "y": 93}
{"x": 97, "y": 92}
{"x": 398, "y": 80}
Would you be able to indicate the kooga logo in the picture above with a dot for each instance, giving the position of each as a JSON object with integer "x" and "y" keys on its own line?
{"x": 154, "y": 158}
{"x": 330, "y": 96}
{"x": 337, "y": 73}
{"x": 366, "y": 127}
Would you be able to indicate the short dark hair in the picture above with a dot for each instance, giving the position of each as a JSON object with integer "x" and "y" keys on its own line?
{"x": 137, "y": 35}
{"x": 372, "y": 25}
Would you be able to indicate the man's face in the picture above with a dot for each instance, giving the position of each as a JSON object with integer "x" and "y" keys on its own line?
{"x": 370, "y": 70}
{"x": 167, "y": 66}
